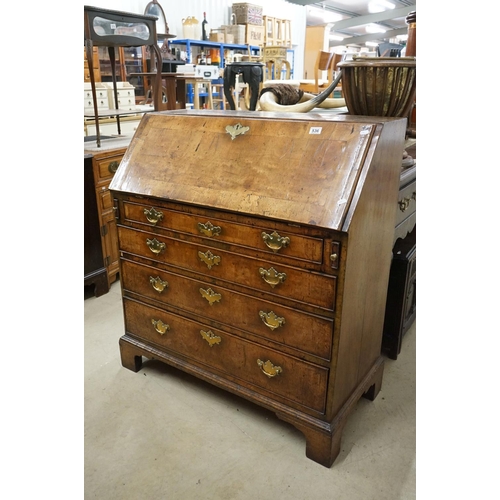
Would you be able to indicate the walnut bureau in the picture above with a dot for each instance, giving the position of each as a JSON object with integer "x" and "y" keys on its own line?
{"x": 255, "y": 252}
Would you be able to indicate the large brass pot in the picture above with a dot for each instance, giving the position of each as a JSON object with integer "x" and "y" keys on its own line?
{"x": 379, "y": 86}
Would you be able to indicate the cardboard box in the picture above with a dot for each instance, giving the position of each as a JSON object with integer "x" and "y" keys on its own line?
{"x": 217, "y": 36}
{"x": 255, "y": 34}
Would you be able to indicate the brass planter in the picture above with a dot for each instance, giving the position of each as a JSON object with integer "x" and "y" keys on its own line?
{"x": 382, "y": 86}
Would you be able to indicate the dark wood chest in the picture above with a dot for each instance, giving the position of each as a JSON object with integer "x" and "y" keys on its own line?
{"x": 255, "y": 252}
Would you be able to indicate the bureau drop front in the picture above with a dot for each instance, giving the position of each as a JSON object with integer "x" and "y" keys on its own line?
{"x": 255, "y": 251}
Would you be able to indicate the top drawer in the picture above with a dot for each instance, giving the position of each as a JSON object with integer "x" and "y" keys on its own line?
{"x": 105, "y": 168}
{"x": 263, "y": 238}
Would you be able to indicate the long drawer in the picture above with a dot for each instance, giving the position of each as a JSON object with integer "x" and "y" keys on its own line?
{"x": 268, "y": 371}
{"x": 261, "y": 238}
{"x": 277, "y": 323}
{"x": 277, "y": 280}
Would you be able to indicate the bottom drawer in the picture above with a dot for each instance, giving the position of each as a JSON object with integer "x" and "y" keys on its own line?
{"x": 262, "y": 369}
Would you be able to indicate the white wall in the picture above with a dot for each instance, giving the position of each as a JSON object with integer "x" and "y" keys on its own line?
{"x": 218, "y": 13}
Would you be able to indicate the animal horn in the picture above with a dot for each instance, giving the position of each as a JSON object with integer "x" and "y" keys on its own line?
{"x": 308, "y": 102}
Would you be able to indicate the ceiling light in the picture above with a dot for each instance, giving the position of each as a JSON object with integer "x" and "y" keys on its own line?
{"x": 379, "y": 6}
{"x": 325, "y": 15}
{"x": 336, "y": 37}
{"x": 371, "y": 44}
{"x": 374, "y": 28}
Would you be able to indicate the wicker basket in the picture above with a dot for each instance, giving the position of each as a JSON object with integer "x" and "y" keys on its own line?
{"x": 237, "y": 30}
{"x": 247, "y": 13}
{"x": 379, "y": 86}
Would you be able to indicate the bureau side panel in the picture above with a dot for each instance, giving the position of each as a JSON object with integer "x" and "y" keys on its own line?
{"x": 370, "y": 228}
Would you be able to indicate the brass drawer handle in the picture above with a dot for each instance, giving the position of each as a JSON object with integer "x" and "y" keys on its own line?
{"x": 274, "y": 241}
{"x": 271, "y": 320}
{"x": 160, "y": 327}
{"x": 269, "y": 369}
{"x": 209, "y": 229}
{"x": 155, "y": 246}
{"x": 272, "y": 277}
{"x": 211, "y": 296}
{"x": 405, "y": 202}
{"x": 158, "y": 284}
{"x": 211, "y": 338}
{"x": 113, "y": 166}
{"x": 153, "y": 216}
{"x": 209, "y": 259}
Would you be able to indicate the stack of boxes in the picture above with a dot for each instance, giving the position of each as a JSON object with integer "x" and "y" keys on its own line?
{"x": 250, "y": 27}
{"x": 250, "y": 16}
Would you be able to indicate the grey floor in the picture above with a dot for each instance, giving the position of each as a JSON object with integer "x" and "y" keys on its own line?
{"x": 162, "y": 434}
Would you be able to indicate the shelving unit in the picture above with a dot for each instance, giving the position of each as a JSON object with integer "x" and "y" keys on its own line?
{"x": 189, "y": 43}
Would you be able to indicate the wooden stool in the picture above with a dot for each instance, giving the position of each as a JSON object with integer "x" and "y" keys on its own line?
{"x": 195, "y": 82}
{"x": 274, "y": 58}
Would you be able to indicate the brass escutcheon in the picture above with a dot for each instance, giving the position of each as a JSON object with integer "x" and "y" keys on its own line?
{"x": 158, "y": 284}
{"x": 155, "y": 246}
{"x": 210, "y": 295}
{"x": 209, "y": 229}
{"x": 269, "y": 369}
{"x": 274, "y": 241}
{"x": 153, "y": 216}
{"x": 210, "y": 337}
{"x": 272, "y": 277}
{"x": 236, "y": 130}
{"x": 271, "y": 320}
{"x": 209, "y": 259}
{"x": 160, "y": 327}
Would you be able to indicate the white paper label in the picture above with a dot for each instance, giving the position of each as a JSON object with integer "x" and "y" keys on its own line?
{"x": 315, "y": 130}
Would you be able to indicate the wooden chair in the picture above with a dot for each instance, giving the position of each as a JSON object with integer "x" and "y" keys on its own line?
{"x": 324, "y": 63}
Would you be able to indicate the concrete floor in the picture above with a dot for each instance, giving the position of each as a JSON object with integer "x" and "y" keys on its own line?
{"x": 162, "y": 434}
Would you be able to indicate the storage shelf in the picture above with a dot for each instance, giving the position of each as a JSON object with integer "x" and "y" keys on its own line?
{"x": 188, "y": 42}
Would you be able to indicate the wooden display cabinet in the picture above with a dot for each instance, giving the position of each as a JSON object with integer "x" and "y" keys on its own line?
{"x": 130, "y": 60}
{"x": 96, "y": 68}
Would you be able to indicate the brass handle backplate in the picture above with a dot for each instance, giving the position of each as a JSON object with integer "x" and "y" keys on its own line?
{"x": 274, "y": 241}
{"x": 211, "y": 338}
{"x": 209, "y": 229}
{"x": 209, "y": 259}
{"x": 269, "y": 369}
{"x": 272, "y": 277}
{"x": 160, "y": 327}
{"x": 271, "y": 320}
{"x": 405, "y": 202}
{"x": 210, "y": 296}
{"x": 155, "y": 246}
{"x": 158, "y": 284}
{"x": 153, "y": 216}
{"x": 113, "y": 166}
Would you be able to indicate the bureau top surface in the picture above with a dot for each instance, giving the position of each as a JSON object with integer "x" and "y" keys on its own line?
{"x": 303, "y": 169}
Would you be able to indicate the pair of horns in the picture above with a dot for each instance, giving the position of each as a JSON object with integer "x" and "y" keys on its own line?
{"x": 269, "y": 102}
